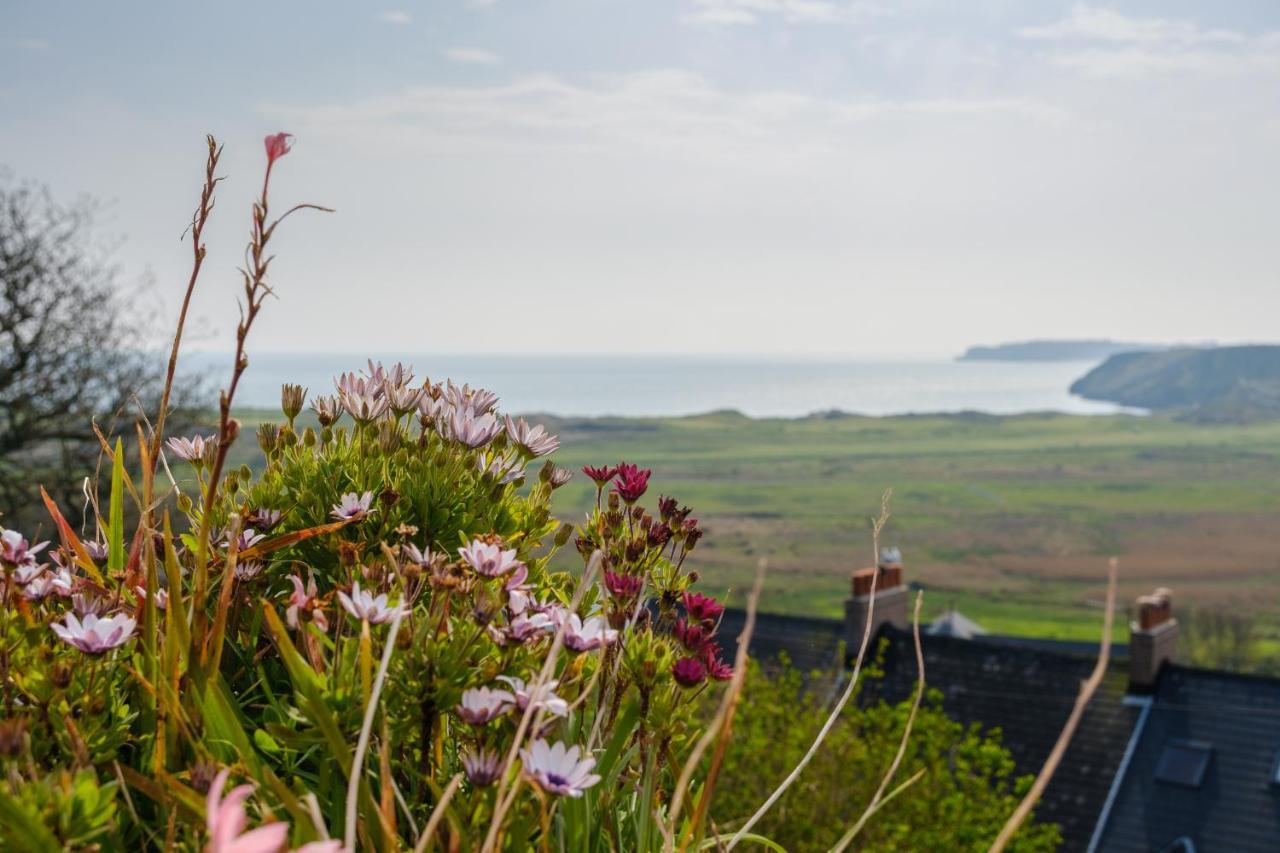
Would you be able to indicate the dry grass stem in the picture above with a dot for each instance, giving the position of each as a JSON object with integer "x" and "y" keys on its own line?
{"x": 876, "y": 528}
{"x": 437, "y": 814}
{"x": 1087, "y": 689}
{"x": 357, "y": 763}
{"x": 876, "y": 800}
{"x": 535, "y": 692}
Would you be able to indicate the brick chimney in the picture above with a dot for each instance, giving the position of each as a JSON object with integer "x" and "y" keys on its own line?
{"x": 1153, "y": 639}
{"x": 890, "y": 600}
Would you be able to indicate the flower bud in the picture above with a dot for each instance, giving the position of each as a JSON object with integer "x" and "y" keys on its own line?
{"x": 388, "y": 436}
{"x": 245, "y": 473}
{"x": 309, "y": 437}
{"x": 233, "y": 431}
{"x": 184, "y": 504}
{"x": 61, "y": 675}
{"x": 563, "y": 534}
{"x": 291, "y": 399}
{"x": 210, "y": 451}
{"x": 202, "y": 774}
{"x": 277, "y": 145}
{"x": 268, "y": 437}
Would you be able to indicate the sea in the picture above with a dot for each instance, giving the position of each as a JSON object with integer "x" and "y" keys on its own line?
{"x": 664, "y": 385}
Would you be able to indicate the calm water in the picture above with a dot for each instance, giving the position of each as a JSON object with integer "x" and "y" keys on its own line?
{"x": 663, "y": 385}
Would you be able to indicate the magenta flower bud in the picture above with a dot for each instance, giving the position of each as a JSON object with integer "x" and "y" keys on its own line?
{"x": 632, "y": 483}
{"x": 693, "y": 636}
{"x": 625, "y": 587}
{"x": 689, "y": 672}
{"x": 600, "y": 475}
{"x": 716, "y": 668}
{"x": 701, "y": 607}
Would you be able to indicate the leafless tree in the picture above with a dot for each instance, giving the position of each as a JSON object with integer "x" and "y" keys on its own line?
{"x": 73, "y": 350}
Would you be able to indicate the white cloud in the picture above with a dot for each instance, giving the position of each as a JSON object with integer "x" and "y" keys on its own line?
{"x": 1105, "y": 43}
{"x": 398, "y": 17}
{"x": 721, "y": 13}
{"x": 1093, "y": 23}
{"x": 472, "y": 56}
{"x": 665, "y": 110}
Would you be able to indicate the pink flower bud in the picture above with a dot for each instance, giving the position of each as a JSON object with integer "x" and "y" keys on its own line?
{"x": 278, "y": 145}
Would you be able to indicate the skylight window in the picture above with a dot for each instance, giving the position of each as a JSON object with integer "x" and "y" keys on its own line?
{"x": 1184, "y": 762}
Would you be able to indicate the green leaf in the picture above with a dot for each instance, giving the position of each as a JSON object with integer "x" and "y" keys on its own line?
{"x": 266, "y": 742}
{"x": 22, "y": 831}
{"x": 115, "y": 513}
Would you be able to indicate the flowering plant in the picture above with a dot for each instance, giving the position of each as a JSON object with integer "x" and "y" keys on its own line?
{"x": 363, "y": 643}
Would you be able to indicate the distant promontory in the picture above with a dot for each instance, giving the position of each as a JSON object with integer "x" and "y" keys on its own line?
{"x": 1222, "y": 384}
{"x": 1055, "y": 351}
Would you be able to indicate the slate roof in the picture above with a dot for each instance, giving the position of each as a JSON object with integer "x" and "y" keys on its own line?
{"x": 1025, "y": 691}
{"x": 1235, "y": 808}
{"x": 1026, "y": 688}
{"x": 809, "y": 643}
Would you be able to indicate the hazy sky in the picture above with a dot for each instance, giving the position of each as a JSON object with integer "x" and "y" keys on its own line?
{"x": 793, "y": 176}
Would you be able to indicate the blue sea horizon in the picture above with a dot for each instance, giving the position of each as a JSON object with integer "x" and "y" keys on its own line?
{"x": 669, "y": 385}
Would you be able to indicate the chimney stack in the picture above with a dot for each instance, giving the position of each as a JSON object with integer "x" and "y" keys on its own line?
{"x": 1153, "y": 639}
{"x": 890, "y": 600}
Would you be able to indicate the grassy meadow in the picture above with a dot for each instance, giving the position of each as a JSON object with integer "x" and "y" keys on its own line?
{"x": 1008, "y": 519}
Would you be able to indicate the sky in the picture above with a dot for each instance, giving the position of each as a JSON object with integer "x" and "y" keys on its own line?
{"x": 792, "y": 177}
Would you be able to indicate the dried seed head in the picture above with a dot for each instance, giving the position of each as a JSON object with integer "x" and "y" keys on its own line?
{"x": 61, "y": 675}
{"x": 348, "y": 553}
{"x": 13, "y": 732}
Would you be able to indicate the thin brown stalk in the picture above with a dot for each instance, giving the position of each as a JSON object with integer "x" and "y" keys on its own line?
{"x": 256, "y": 291}
{"x": 1087, "y": 689}
{"x": 877, "y": 799}
{"x": 720, "y": 725}
{"x": 224, "y": 596}
{"x": 196, "y": 230}
{"x": 876, "y": 528}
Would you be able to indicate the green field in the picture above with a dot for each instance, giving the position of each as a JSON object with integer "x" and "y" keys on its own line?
{"x": 1010, "y": 520}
